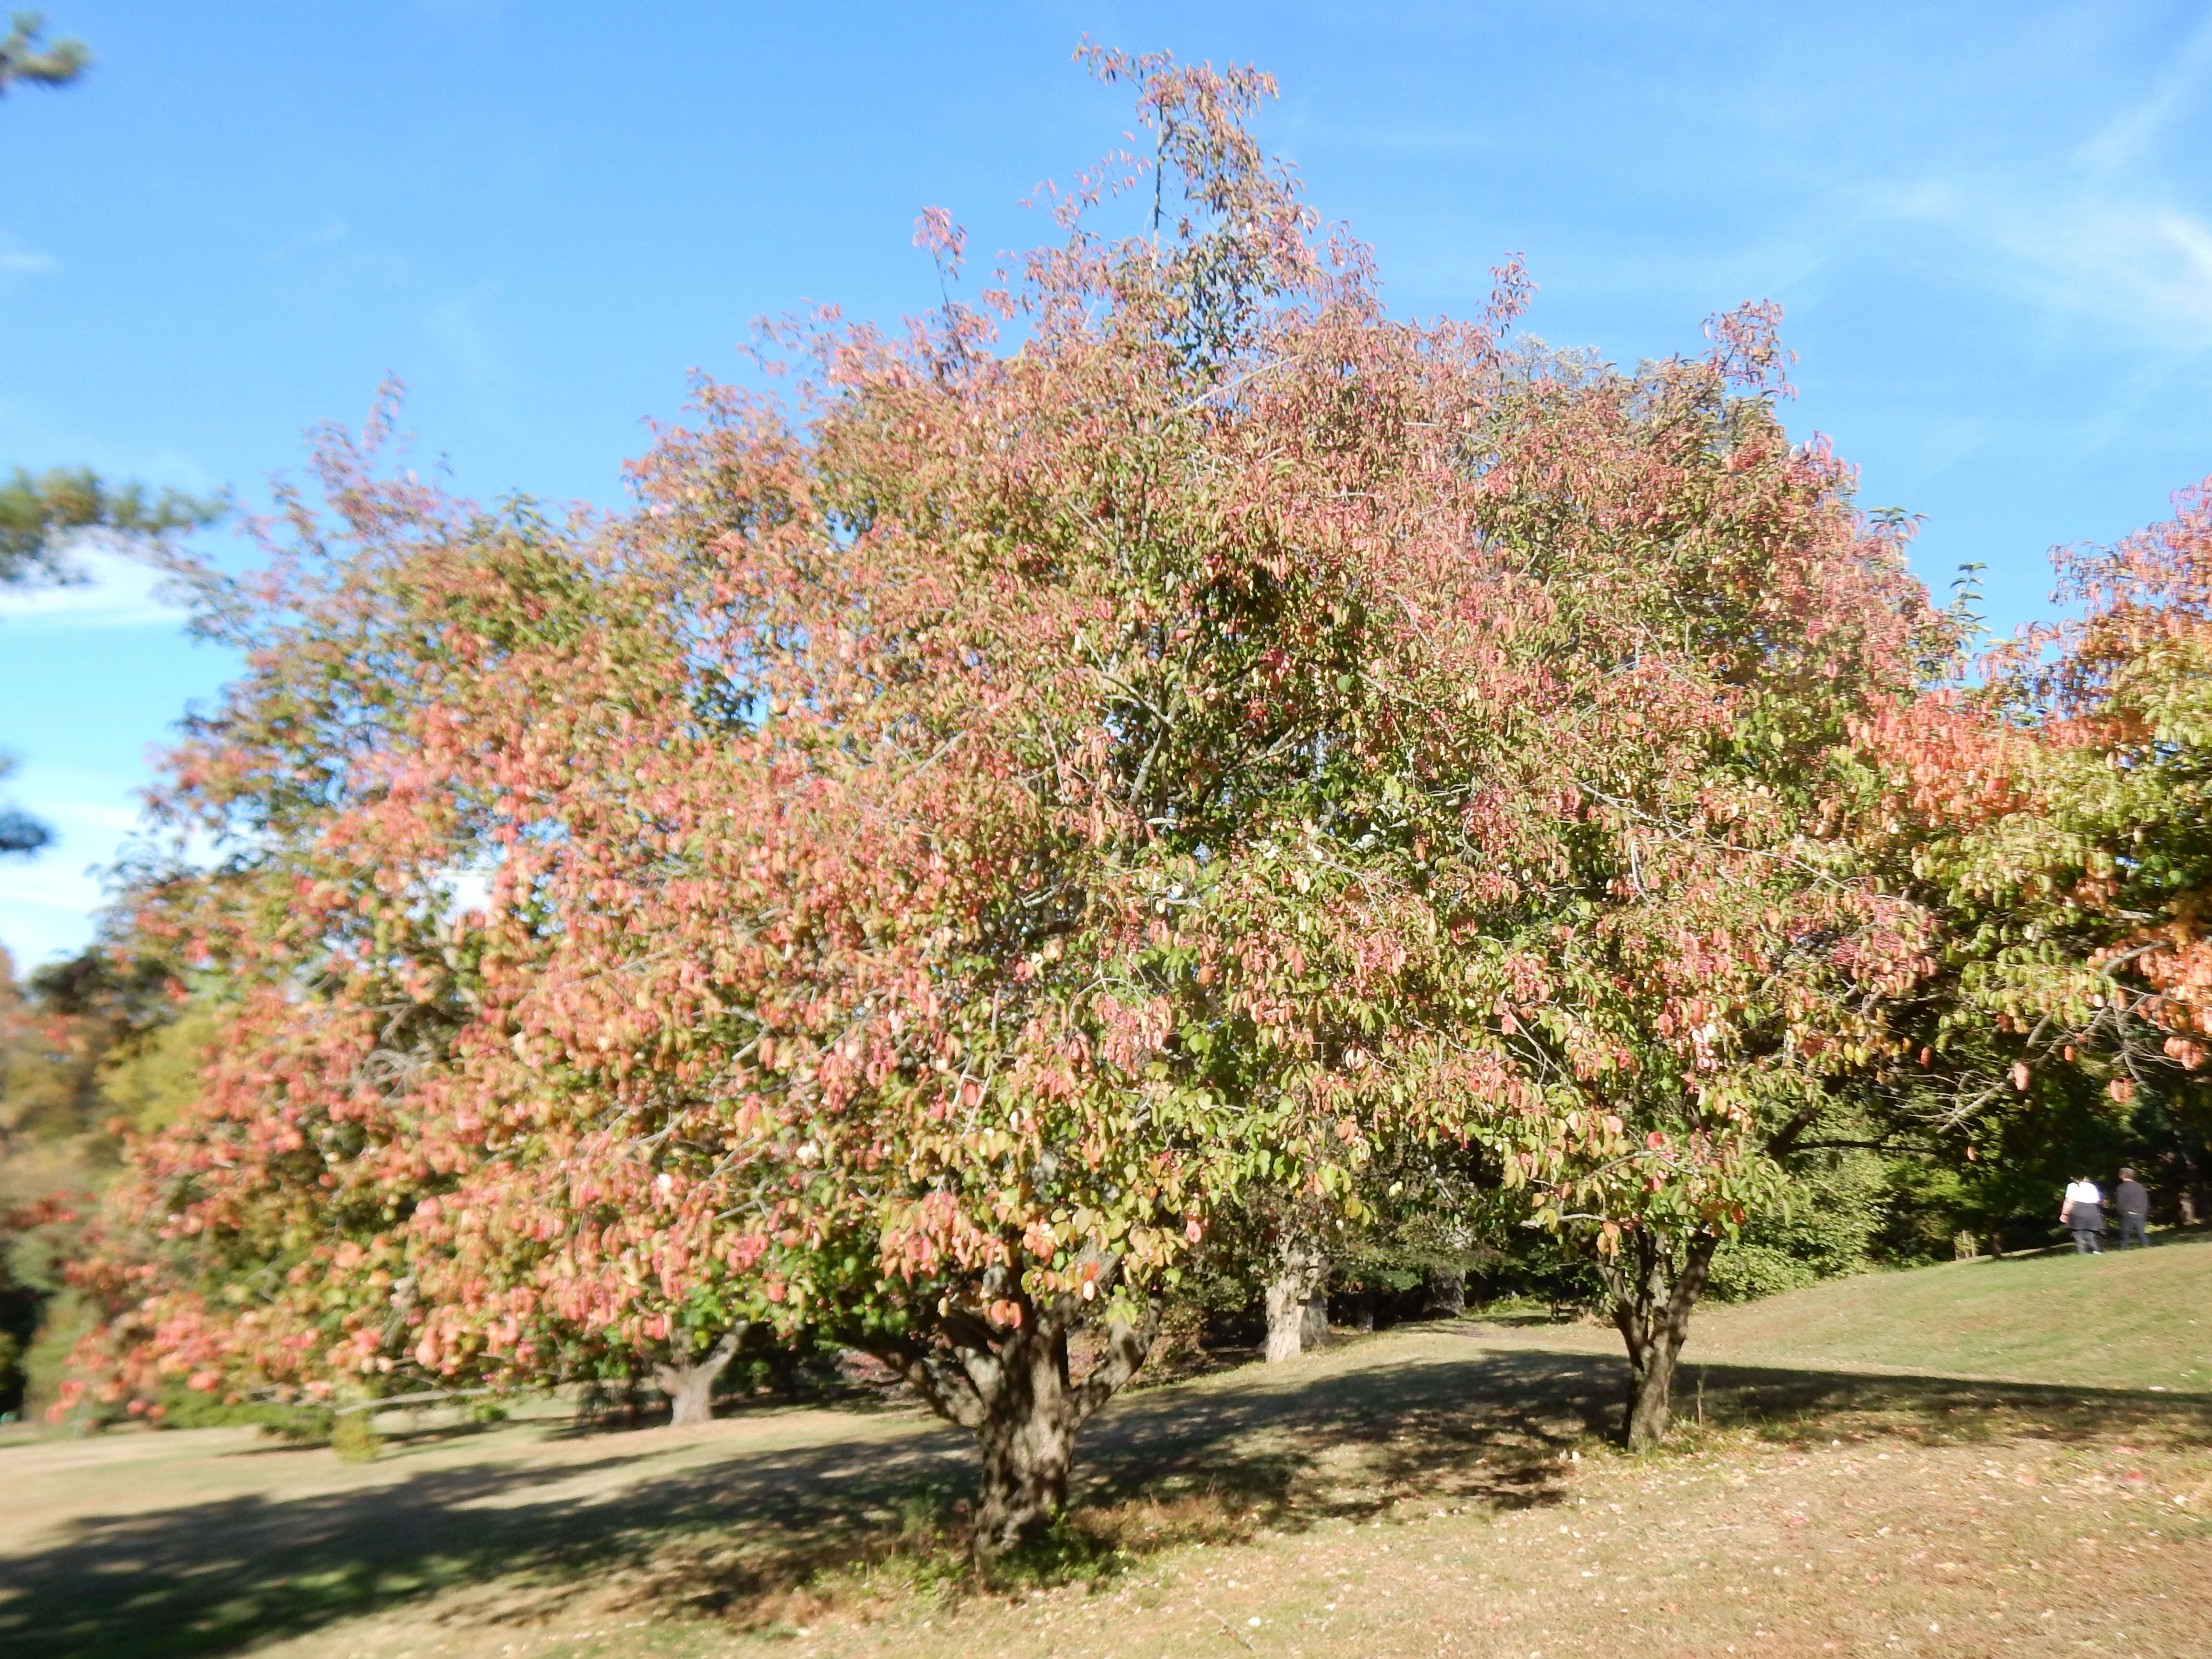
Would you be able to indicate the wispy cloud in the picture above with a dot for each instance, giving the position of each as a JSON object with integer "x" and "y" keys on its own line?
{"x": 47, "y": 903}
{"x": 2114, "y": 232}
{"x": 16, "y": 260}
{"x": 117, "y": 592}
{"x": 19, "y": 262}
{"x": 2136, "y": 129}
{"x": 2138, "y": 265}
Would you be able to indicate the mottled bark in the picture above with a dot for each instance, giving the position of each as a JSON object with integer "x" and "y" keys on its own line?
{"x": 1009, "y": 1385}
{"x": 1653, "y": 1283}
{"x": 690, "y": 1389}
{"x": 1447, "y": 1292}
{"x": 1297, "y": 1302}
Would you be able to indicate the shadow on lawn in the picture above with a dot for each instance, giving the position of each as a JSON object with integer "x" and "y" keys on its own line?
{"x": 1290, "y": 1450}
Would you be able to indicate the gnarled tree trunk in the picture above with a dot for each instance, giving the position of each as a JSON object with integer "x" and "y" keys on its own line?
{"x": 690, "y": 1389}
{"x": 1009, "y": 1385}
{"x": 1297, "y": 1301}
{"x": 1447, "y": 1292}
{"x": 1653, "y": 1283}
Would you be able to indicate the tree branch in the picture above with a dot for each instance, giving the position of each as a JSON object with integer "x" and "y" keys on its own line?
{"x": 1127, "y": 1347}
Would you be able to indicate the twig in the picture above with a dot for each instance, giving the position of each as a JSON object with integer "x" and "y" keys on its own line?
{"x": 1228, "y": 1629}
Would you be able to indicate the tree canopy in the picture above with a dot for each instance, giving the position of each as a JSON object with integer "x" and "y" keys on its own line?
{"x": 1110, "y": 771}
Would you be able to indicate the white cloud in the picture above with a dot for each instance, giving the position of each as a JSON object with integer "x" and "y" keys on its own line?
{"x": 121, "y": 592}
{"x": 2141, "y": 267}
{"x": 2136, "y": 130}
{"x": 47, "y": 903}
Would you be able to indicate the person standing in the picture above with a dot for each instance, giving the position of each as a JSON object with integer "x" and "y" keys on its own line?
{"x": 2133, "y": 1204}
{"x": 2083, "y": 1215}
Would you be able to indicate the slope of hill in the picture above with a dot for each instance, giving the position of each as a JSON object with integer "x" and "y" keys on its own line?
{"x": 2141, "y": 1319}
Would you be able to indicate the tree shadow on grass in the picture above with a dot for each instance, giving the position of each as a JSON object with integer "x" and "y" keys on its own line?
{"x": 499, "y": 1543}
{"x": 211, "y": 1577}
{"x": 1782, "y": 1403}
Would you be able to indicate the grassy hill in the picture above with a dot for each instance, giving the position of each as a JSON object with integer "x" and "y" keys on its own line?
{"x": 2137, "y": 1320}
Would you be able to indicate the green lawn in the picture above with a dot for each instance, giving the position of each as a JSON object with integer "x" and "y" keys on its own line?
{"x": 2137, "y": 1320}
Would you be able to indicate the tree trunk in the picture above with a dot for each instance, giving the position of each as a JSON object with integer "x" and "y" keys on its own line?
{"x": 690, "y": 1389}
{"x": 1009, "y": 1385}
{"x": 1297, "y": 1302}
{"x": 1027, "y": 1441}
{"x": 1654, "y": 1290}
{"x": 1447, "y": 1292}
{"x": 1361, "y": 1308}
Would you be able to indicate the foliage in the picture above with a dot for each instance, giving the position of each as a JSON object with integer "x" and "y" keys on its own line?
{"x": 2058, "y": 819}
{"x": 41, "y": 513}
{"x": 1702, "y": 957}
{"x": 65, "y": 1038}
{"x": 20, "y": 832}
{"x": 1825, "y": 1227}
{"x": 987, "y": 819}
{"x": 25, "y": 56}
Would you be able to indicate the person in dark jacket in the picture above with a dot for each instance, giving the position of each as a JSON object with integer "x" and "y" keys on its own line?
{"x": 2082, "y": 1214}
{"x": 2133, "y": 1204}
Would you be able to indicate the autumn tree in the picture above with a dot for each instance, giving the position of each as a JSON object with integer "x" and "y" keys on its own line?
{"x": 79, "y": 1048}
{"x": 272, "y": 1240}
{"x": 2057, "y": 813}
{"x": 911, "y": 909}
{"x": 989, "y": 814}
{"x": 1695, "y": 945}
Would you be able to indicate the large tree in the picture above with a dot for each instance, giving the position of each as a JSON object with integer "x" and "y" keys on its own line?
{"x": 911, "y": 909}
{"x": 990, "y": 815}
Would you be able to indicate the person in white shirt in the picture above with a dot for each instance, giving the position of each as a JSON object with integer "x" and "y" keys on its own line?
{"x": 2083, "y": 1214}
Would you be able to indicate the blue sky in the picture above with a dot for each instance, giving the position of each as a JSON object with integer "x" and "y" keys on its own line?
{"x": 1994, "y": 250}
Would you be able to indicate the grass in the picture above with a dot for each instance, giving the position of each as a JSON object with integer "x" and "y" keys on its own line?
{"x": 1433, "y": 1490}
{"x": 2139, "y": 1319}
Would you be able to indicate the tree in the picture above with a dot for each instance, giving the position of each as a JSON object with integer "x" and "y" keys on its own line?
{"x": 1690, "y": 962}
{"x": 900, "y": 921}
{"x": 40, "y": 513}
{"x": 2058, "y": 814}
{"x": 19, "y": 833}
{"x": 986, "y": 816}
{"x": 65, "y": 1040}
{"x": 271, "y": 1240}
{"x": 23, "y": 57}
